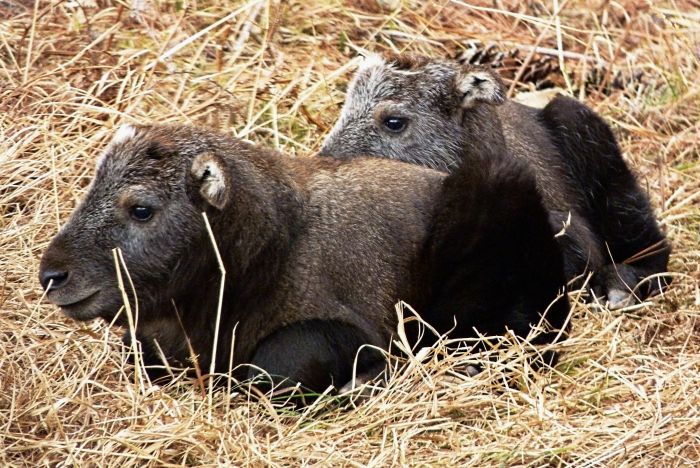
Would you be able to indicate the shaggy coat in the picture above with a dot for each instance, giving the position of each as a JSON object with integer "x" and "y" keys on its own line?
{"x": 316, "y": 253}
{"x": 433, "y": 112}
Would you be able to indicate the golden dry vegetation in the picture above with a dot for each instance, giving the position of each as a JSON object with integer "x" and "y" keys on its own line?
{"x": 626, "y": 389}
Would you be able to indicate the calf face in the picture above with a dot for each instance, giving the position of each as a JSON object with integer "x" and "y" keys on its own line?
{"x": 411, "y": 109}
{"x": 142, "y": 202}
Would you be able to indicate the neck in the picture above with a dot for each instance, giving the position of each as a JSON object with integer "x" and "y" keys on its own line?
{"x": 264, "y": 215}
{"x": 254, "y": 235}
{"x": 483, "y": 131}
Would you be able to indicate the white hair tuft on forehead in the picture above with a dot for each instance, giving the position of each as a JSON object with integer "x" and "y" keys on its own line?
{"x": 124, "y": 133}
{"x": 371, "y": 61}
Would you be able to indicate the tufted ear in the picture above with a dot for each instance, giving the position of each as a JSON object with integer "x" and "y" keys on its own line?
{"x": 476, "y": 85}
{"x": 209, "y": 173}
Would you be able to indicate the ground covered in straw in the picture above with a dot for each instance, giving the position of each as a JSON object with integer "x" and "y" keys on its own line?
{"x": 626, "y": 390}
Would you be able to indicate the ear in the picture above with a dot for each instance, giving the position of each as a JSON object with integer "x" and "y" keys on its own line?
{"x": 209, "y": 173}
{"x": 476, "y": 85}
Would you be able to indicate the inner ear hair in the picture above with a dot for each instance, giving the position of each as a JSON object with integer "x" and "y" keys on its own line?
{"x": 209, "y": 172}
{"x": 476, "y": 85}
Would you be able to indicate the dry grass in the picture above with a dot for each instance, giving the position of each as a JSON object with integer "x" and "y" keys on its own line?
{"x": 626, "y": 391}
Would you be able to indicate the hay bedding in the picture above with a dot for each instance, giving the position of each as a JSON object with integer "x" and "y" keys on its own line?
{"x": 626, "y": 391}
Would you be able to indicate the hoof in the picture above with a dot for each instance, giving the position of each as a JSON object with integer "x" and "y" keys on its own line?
{"x": 473, "y": 371}
{"x": 619, "y": 299}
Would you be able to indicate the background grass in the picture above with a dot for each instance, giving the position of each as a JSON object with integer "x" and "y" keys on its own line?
{"x": 626, "y": 391}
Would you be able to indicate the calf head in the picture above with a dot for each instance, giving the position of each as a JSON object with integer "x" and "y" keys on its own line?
{"x": 151, "y": 185}
{"x": 413, "y": 109}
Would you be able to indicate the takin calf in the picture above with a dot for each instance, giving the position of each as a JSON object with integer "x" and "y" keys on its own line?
{"x": 428, "y": 111}
{"x": 316, "y": 252}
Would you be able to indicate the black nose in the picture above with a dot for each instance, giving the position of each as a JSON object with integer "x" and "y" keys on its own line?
{"x": 56, "y": 279}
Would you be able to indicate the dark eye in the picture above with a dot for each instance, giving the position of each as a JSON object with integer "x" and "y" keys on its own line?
{"x": 395, "y": 124}
{"x": 141, "y": 213}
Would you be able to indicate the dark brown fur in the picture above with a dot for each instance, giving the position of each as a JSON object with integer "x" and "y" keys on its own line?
{"x": 316, "y": 252}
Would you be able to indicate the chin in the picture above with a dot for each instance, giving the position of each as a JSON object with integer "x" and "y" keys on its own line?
{"x": 82, "y": 314}
{"x": 91, "y": 307}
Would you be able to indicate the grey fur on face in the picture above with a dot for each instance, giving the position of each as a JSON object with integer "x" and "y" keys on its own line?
{"x": 409, "y": 110}
{"x": 381, "y": 91}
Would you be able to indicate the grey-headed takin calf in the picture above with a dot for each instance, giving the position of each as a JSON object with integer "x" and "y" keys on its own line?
{"x": 316, "y": 252}
{"x": 433, "y": 112}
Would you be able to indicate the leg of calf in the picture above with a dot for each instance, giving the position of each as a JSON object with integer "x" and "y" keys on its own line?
{"x": 493, "y": 260}
{"x": 314, "y": 354}
{"x": 579, "y": 245}
{"x": 616, "y": 205}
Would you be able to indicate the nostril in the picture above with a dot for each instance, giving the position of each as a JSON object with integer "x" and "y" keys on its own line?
{"x": 53, "y": 278}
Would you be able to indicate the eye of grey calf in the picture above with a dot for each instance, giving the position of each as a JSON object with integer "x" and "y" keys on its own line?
{"x": 395, "y": 124}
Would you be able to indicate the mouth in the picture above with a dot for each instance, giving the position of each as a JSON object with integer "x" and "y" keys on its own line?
{"x": 77, "y": 309}
{"x": 68, "y": 302}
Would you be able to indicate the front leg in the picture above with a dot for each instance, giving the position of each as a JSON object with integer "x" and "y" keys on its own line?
{"x": 624, "y": 285}
{"x": 160, "y": 339}
{"x": 315, "y": 354}
{"x": 150, "y": 357}
{"x": 615, "y": 203}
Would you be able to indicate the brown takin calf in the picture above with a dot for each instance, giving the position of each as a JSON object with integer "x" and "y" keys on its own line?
{"x": 432, "y": 112}
{"x": 316, "y": 252}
